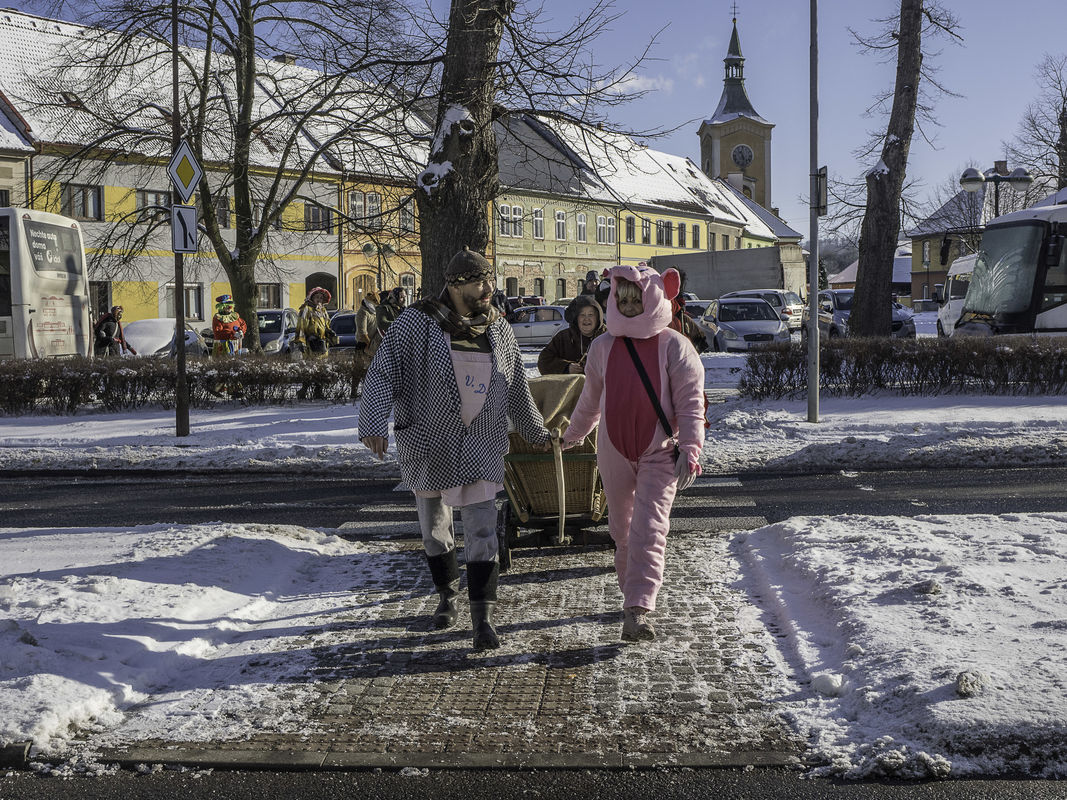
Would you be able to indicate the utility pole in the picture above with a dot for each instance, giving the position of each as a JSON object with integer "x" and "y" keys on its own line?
{"x": 817, "y": 189}
{"x": 181, "y": 390}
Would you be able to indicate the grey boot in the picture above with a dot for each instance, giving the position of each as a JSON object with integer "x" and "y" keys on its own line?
{"x": 481, "y": 588}
{"x": 445, "y": 571}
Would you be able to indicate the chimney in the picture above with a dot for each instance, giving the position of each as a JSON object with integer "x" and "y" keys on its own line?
{"x": 289, "y": 59}
{"x": 1000, "y": 167}
{"x": 737, "y": 180}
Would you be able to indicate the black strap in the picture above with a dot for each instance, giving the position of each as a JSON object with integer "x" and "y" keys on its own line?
{"x": 651, "y": 392}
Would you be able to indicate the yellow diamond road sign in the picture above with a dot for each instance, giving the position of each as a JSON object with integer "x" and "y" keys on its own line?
{"x": 185, "y": 173}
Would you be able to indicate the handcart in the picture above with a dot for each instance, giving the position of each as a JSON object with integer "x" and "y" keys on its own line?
{"x": 550, "y": 491}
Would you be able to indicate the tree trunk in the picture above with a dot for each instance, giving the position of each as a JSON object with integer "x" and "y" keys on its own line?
{"x": 454, "y": 192}
{"x": 871, "y": 306}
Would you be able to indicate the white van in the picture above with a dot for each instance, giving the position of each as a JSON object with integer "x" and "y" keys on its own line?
{"x": 951, "y": 296}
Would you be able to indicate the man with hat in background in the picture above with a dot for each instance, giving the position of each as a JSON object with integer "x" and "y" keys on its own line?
{"x": 449, "y": 369}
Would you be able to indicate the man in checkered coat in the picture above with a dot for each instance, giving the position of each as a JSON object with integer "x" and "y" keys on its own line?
{"x": 450, "y": 371}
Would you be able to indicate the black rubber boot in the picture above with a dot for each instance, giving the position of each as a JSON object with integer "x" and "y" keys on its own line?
{"x": 481, "y": 589}
{"x": 445, "y": 571}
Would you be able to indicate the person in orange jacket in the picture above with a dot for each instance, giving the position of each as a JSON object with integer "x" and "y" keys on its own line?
{"x": 227, "y": 327}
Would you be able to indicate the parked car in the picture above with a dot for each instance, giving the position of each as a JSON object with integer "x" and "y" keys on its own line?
{"x": 688, "y": 297}
{"x": 696, "y": 308}
{"x": 277, "y": 329}
{"x": 787, "y": 304}
{"x": 950, "y": 297}
{"x": 742, "y": 323}
{"x": 835, "y": 307}
{"x": 536, "y": 325}
{"x": 155, "y": 337}
{"x": 344, "y": 325}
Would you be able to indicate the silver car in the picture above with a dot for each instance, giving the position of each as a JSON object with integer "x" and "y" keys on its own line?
{"x": 788, "y": 304}
{"x": 835, "y": 307}
{"x": 742, "y": 323}
{"x": 536, "y": 325}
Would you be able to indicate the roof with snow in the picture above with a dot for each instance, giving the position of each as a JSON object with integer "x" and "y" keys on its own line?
{"x": 777, "y": 225}
{"x": 531, "y": 156}
{"x": 11, "y": 138}
{"x": 901, "y": 267}
{"x": 734, "y": 102}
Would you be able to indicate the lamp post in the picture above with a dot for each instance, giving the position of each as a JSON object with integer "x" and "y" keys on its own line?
{"x": 1018, "y": 179}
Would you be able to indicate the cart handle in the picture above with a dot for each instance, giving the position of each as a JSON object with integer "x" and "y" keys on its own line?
{"x": 561, "y": 489}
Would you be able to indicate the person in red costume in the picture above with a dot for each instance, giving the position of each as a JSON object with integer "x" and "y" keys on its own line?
{"x": 642, "y": 465}
{"x": 227, "y": 327}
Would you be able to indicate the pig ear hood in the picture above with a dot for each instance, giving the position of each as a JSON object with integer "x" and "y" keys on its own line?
{"x": 656, "y": 294}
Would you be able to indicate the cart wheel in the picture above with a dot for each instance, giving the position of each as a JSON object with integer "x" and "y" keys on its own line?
{"x": 503, "y": 518}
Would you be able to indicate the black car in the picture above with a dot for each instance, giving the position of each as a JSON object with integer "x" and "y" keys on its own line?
{"x": 344, "y": 325}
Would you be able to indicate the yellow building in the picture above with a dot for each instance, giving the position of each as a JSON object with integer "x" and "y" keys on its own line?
{"x": 381, "y": 240}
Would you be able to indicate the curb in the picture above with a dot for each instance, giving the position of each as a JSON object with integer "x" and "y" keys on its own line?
{"x": 302, "y": 760}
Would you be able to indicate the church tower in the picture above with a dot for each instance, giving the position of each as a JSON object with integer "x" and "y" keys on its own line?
{"x": 735, "y": 143}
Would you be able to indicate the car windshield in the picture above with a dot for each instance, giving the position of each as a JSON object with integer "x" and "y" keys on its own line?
{"x": 843, "y": 301}
{"x": 1003, "y": 278}
{"x": 746, "y": 312}
{"x": 343, "y": 324}
{"x": 270, "y": 323}
{"x": 793, "y": 299}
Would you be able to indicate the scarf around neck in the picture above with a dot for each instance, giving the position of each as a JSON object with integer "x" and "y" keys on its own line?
{"x": 442, "y": 311}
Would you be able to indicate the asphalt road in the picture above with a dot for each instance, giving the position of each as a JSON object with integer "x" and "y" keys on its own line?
{"x": 67, "y": 500}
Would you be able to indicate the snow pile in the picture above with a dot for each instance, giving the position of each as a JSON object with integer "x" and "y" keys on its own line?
{"x": 930, "y": 646}
{"x": 94, "y": 622}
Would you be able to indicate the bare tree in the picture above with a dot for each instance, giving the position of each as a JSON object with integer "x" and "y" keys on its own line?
{"x": 272, "y": 96}
{"x": 502, "y": 59}
{"x": 1041, "y": 142}
{"x": 880, "y": 229}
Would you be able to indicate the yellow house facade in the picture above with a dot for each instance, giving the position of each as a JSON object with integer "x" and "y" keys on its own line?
{"x": 381, "y": 240}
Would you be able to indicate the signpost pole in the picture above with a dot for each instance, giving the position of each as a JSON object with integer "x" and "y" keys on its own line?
{"x": 181, "y": 400}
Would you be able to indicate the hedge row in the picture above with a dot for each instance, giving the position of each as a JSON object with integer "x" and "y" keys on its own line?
{"x": 65, "y": 386}
{"x": 927, "y": 366}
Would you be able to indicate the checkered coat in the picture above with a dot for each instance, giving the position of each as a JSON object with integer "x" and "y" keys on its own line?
{"x": 412, "y": 375}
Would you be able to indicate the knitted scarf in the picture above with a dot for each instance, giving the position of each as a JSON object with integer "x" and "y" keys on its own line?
{"x": 442, "y": 311}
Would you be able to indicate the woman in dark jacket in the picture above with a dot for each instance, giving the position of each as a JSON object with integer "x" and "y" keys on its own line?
{"x": 565, "y": 354}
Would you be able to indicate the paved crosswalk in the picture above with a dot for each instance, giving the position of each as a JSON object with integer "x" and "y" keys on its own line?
{"x": 714, "y": 504}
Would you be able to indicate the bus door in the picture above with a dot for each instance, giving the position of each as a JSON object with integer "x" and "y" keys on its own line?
{"x": 7, "y": 331}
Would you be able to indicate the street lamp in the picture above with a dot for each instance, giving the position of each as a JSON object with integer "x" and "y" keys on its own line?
{"x": 1018, "y": 179}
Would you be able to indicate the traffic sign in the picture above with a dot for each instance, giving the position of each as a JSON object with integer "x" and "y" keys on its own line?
{"x": 183, "y": 232}
{"x": 185, "y": 173}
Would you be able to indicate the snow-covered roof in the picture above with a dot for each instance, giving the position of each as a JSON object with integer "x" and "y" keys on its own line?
{"x": 531, "y": 156}
{"x": 777, "y": 226}
{"x": 11, "y": 139}
{"x": 901, "y": 267}
{"x": 1054, "y": 199}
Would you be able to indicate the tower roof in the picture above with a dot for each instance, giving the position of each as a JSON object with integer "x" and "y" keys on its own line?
{"x": 734, "y": 101}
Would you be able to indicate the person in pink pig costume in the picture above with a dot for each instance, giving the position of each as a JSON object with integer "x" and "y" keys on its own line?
{"x": 642, "y": 465}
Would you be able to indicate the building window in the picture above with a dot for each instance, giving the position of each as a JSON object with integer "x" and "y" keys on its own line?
{"x": 561, "y": 288}
{"x": 505, "y": 221}
{"x": 631, "y": 230}
{"x": 737, "y": 243}
{"x": 660, "y": 237}
{"x": 726, "y": 241}
{"x": 926, "y": 254}
{"x": 601, "y": 229}
{"x": 539, "y": 287}
{"x": 357, "y": 210}
{"x": 99, "y": 298}
{"x": 561, "y": 226}
{"x": 539, "y": 223}
{"x": 681, "y": 234}
{"x": 374, "y": 211}
{"x": 82, "y": 202}
{"x": 268, "y": 295}
{"x": 516, "y": 221}
{"x": 153, "y": 204}
{"x": 646, "y": 231}
{"x": 580, "y": 224}
{"x": 668, "y": 233}
{"x": 407, "y": 283}
{"x": 407, "y": 216}
{"x": 696, "y": 237}
{"x": 511, "y": 287}
{"x": 194, "y": 301}
{"x": 222, "y": 211}
{"x": 5, "y": 198}
{"x": 317, "y": 218}
{"x": 711, "y": 240}
{"x": 611, "y": 230}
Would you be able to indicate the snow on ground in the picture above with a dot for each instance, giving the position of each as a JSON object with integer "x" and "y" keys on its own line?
{"x": 909, "y": 646}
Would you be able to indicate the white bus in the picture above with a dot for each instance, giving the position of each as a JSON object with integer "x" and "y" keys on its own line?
{"x": 44, "y": 288}
{"x": 1019, "y": 279}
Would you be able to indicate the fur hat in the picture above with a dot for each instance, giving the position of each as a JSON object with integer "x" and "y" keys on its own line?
{"x": 316, "y": 290}
{"x": 466, "y": 266}
{"x": 656, "y": 294}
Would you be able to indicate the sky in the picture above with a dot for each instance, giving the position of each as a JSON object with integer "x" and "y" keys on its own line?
{"x": 917, "y": 646}
{"x": 992, "y": 69}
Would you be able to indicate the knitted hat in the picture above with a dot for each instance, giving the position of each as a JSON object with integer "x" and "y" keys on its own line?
{"x": 466, "y": 266}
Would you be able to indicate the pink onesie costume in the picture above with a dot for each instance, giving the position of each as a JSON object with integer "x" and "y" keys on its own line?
{"x": 634, "y": 454}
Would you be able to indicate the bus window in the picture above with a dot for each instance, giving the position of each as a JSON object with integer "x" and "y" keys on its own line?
{"x": 53, "y": 248}
{"x": 5, "y": 268}
{"x": 1055, "y": 293}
